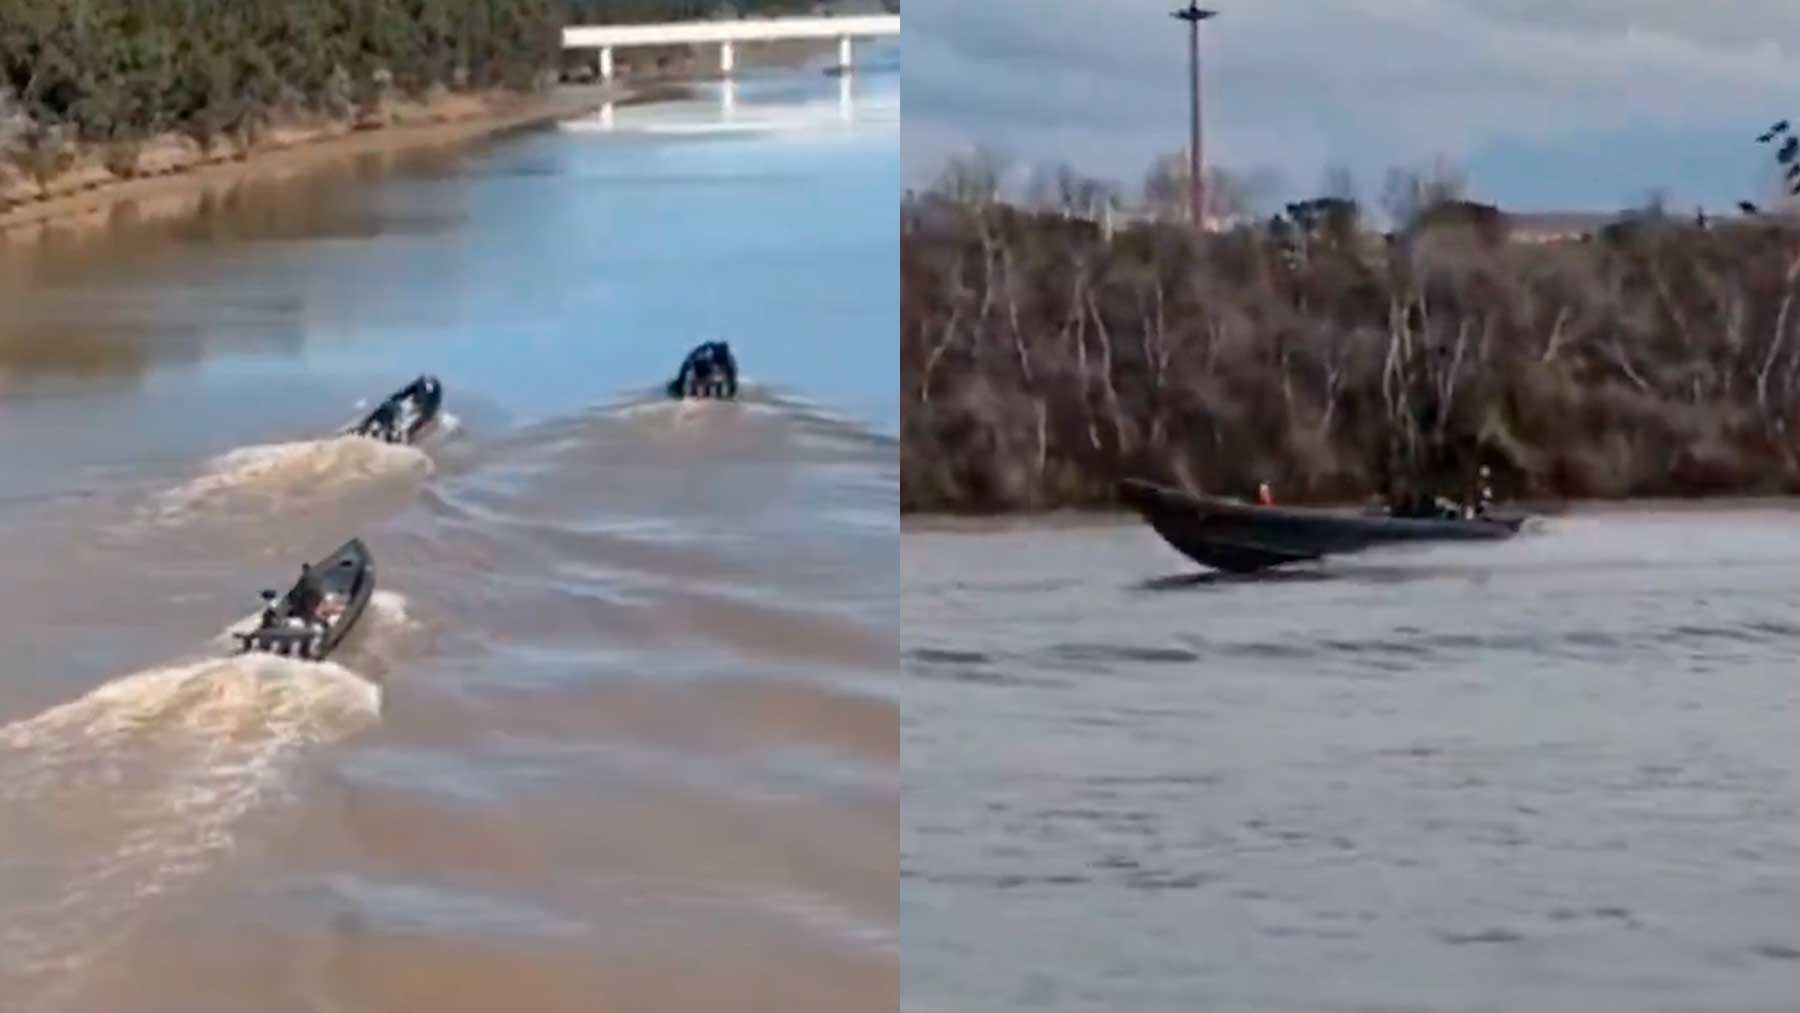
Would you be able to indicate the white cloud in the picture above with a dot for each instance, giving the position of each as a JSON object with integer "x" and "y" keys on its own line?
{"x": 1742, "y": 24}
{"x": 1300, "y": 84}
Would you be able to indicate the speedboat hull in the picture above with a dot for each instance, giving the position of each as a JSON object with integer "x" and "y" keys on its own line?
{"x": 1240, "y": 538}
{"x": 712, "y": 390}
{"x": 347, "y": 579}
{"x": 411, "y": 408}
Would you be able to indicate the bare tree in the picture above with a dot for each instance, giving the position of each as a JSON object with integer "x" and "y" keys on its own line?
{"x": 1166, "y": 186}
{"x": 1229, "y": 193}
{"x": 972, "y": 180}
{"x": 1065, "y": 190}
{"x": 1040, "y": 189}
{"x": 1081, "y": 195}
{"x": 1041, "y": 366}
{"x": 1408, "y": 191}
{"x": 1256, "y": 190}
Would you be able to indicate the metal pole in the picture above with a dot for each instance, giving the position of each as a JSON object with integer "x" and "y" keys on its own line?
{"x": 1196, "y": 158}
{"x": 1193, "y": 14}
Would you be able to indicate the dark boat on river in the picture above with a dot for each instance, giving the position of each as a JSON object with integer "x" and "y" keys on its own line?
{"x": 1240, "y": 538}
{"x": 404, "y": 415}
{"x": 319, "y": 611}
{"x": 709, "y": 371}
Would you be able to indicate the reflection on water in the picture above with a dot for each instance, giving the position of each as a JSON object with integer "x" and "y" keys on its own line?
{"x": 489, "y": 259}
{"x": 147, "y": 286}
{"x": 620, "y": 721}
{"x": 863, "y": 102}
{"x": 1556, "y": 773}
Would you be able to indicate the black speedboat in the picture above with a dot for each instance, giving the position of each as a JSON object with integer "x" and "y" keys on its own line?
{"x": 320, "y": 609}
{"x": 1237, "y": 537}
{"x": 709, "y": 371}
{"x": 404, "y": 415}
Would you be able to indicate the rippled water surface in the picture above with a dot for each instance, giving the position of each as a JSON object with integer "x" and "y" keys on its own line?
{"x": 619, "y": 729}
{"x": 1557, "y": 774}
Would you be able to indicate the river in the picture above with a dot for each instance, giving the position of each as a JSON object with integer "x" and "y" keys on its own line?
{"x": 1555, "y": 774}
{"x": 620, "y": 727}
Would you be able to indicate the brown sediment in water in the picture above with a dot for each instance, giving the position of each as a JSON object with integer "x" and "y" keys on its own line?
{"x": 637, "y": 736}
{"x": 87, "y": 194}
{"x": 423, "y": 972}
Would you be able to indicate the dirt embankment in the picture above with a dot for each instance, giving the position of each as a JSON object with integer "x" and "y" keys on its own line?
{"x": 85, "y": 179}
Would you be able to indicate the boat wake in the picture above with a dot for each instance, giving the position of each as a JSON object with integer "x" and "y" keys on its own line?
{"x": 668, "y": 416}
{"x": 371, "y": 646}
{"x": 760, "y": 425}
{"x": 447, "y": 427}
{"x": 286, "y": 476}
{"x": 138, "y": 788}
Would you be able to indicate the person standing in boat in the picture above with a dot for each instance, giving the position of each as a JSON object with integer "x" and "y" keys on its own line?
{"x": 383, "y": 423}
{"x": 304, "y": 600}
{"x": 710, "y": 370}
{"x": 419, "y": 391}
{"x": 1483, "y": 498}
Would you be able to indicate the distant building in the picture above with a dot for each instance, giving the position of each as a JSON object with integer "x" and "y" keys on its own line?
{"x": 1560, "y": 226}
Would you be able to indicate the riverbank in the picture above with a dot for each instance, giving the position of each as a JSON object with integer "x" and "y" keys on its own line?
{"x": 1042, "y": 360}
{"x": 173, "y": 165}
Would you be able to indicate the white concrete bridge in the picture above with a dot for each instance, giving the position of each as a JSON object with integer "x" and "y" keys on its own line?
{"x": 728, "y": 34}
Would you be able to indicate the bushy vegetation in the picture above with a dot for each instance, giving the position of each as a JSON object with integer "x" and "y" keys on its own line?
{"x": 1044, "y": 356}
{"x": 119, "y": 69}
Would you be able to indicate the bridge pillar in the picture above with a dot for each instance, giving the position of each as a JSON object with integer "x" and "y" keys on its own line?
{"x": 727, "y": 58}
{"x": 606, "y": 63}
{"x": 846, "y": 53}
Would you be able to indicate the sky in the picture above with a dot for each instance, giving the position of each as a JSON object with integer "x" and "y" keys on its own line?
{"x": 1548, "y": 105}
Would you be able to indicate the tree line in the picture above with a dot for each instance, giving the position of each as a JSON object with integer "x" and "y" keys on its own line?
{"x": 1044, "y": 356}
{"x": 111, "y": 70}
{"x": 114, "y": 69}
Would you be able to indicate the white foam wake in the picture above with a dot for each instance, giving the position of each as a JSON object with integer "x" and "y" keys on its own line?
{"x": 385, "y": 619}
{"x": 134, "y": 790}
{"x": 444, "y": 428}
{"x": 287, "y": 475}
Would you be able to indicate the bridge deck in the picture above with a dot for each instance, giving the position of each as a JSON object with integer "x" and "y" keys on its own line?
{"x": 748, "y": 30}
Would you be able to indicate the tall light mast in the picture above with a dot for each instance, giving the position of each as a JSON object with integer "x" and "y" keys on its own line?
{"x": 1193, "y": 14}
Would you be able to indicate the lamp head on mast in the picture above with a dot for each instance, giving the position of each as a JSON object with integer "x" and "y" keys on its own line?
{"x": 1194, "y": 12}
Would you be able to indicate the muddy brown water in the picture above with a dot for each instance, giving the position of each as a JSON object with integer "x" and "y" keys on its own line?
{"x": 620, "y": 727}
{"x": 1560, "y": 773}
